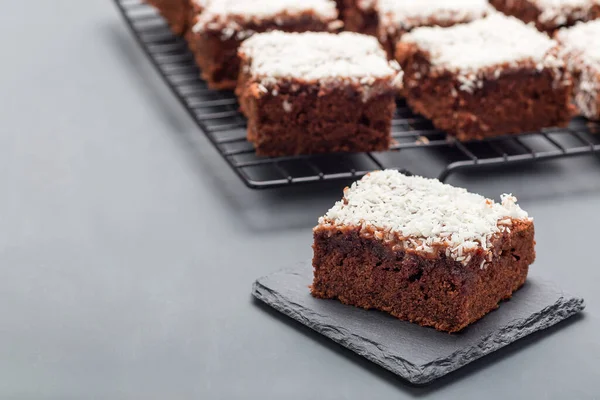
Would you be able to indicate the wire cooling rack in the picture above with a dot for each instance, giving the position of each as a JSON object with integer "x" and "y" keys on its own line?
{"x": 418, "y": 147}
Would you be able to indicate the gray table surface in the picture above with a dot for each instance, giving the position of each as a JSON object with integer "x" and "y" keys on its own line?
{"x": 128, "y": 248}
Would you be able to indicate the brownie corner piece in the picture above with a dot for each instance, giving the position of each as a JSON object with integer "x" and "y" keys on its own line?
{"x": 422, "y": 251}
{"x": 224, "y": 24}
{"x": 486, "y": 78}
{"x": 306, "y": 93}
{"x": 580, "y": 48}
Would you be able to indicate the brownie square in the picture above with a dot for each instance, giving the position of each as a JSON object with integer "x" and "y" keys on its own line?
{"x": 580, "y": 48}
{"x": 390, "y": 19}
{"x": 178, "y": 13}
{"x": 549, "y": 15}
{"x": 224, "y": 24}
{"x": 489, "y": 77}
{"x": 421, "y": 250}
{"x": 315, "y": 92}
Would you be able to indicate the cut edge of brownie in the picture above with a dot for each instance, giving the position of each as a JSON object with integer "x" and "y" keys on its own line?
{"x": 355, "y": 267}
{"x": 310, "y": 118}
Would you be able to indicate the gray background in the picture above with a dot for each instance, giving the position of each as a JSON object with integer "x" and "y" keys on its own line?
{"x": 128, "y": 252}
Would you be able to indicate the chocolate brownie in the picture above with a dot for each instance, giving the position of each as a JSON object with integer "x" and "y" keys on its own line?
{"x": 340, "y": 7}
{"x": 225, "y": 24}
{"x": 421, "y": 250}
{"x": 580, "y": 48}
{"x": 549, "y": 15}
{"x": 316, "y": 93}
{"x": 178, "y": 13}
{"x": 361, "y": 16}
{"x": 489, "y": 77}
{"x": 390, "y": 19}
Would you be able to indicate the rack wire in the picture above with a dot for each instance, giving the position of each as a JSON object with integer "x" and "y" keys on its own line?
{"x": 418, "y": 147}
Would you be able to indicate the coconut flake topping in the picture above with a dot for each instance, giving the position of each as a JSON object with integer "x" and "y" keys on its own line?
{"x": 425, "y": 213}
{"x": 410, "y": 13}
{"x": 559, "y": 11}
{"x": 492, "y": 41}
{"x": 218, "y": 12}
{"x": 583, "y": 42}
{"x": 317, "y": 56}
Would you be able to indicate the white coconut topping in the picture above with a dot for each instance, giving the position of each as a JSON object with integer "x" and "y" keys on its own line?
{"x": 317, "y": 56}
{"x": 583, "y": 42}
{"x": 366, "y": 4}
{"x": 494, "y": 42}
{"x": 491, "y": 41}
{"x": 425, "y": 212}
{"x": 410, "y": 13}
{"x": 217, "y": 14}
{"x": 580, "y": 47}
{"x": 557, "y": 12}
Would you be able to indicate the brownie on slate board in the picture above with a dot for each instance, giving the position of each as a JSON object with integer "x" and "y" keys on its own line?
{"x": 421, "y": 250}
{"x": 389, "y": 19}
{"x": 224, "y": 24}
{"x": 317, "y": 92}
{"x": 549, "y": 15}
{"x": 178, "y": 13}
{"x": 490, "y": 77}
{"x": 580, "y": 48}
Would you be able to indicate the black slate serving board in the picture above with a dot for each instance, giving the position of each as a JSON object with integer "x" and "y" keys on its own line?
{"x": 419, "y": 355}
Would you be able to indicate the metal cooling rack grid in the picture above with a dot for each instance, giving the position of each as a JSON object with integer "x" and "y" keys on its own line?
{"x": 416, "y": 142}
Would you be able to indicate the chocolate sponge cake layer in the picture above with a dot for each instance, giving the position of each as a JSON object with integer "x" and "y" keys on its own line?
{"x": 437, "y": 292}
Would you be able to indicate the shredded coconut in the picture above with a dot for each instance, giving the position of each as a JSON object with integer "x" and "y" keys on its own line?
{"x": 366, "y": 4}
{"x": 407, "y": 14}
{"x": 425, "y": 213}
{"x": 496, "y": 42}
{"x": 317, "y": 56}
{"x": 583, "y": 42}
{"x": 558, "y": 12}
{"x": 219, "y": 14}
{"x": 491, "y": 41}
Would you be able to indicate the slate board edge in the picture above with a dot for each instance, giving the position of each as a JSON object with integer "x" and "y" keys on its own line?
{"x": 562, "y": 309}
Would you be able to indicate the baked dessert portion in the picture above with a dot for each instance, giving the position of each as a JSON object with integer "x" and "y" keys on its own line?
{"x": 489, "y": 77}
{"x": 390, "y": 19}
{"x": 580, "y": 48}
{"x": 178, "y": 13}
{"x": 549, "y": 15}
{"x": 223, "y": 24}
{"x": 361, "y": 16}
{"x": 421, "y": 250}
{"x": 316, "y": 92}
{"x": 340, "y": 6}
